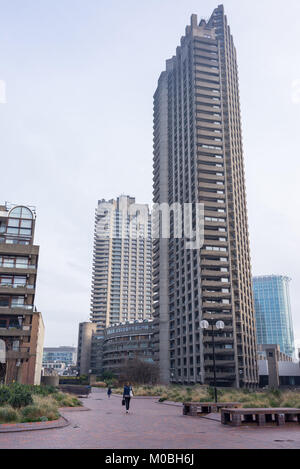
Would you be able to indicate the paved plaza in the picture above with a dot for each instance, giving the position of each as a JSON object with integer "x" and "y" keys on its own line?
{"x": 149, "y": 425}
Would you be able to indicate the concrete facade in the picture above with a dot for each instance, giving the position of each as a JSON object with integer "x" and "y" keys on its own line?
{"x": 122, "y": 265}
{"x": 127, "y": 341}
{"x": 288, "y": 374}
{"x": 21, "y": 326}
{"x": 84, "y": 349}
{"x": 198, "y": 158}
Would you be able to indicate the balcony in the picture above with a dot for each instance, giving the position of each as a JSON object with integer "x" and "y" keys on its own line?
{"x": 216, "y": 306}
{"x": 19, "y": 269}
{"x": 22, "y": 249}
{"x": 15, "y": 331}
{"x": 208, "y": 117}
{"x": 15, "y": 289}
{"x": 209, "y": 67}
{"x": 17, "y": 309}
{"x": 210, "y": 151}
{"x": 225, "y": 340}
{"x": 220, "y": 363}
{"x": 227, "y": 376}
{"x": 207, "y": 78}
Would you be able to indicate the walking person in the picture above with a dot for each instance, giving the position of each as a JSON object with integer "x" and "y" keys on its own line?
{"x": 109, "y": 392}
{"x": 127, "y": 395}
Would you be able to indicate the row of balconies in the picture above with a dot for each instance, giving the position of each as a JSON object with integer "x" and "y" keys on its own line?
{"x": 209, "y": 110}
{"x": 210, "y": 101}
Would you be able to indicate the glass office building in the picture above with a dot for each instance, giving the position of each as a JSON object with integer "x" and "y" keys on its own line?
{"x": 65, "y": 355}
{"x": 273, "y": 312}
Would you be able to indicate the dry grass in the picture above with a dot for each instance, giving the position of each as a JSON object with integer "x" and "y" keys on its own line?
{"x": 44, "y": 408}
{"x": 259, "y": 399}
{"x": 64, "y": 399}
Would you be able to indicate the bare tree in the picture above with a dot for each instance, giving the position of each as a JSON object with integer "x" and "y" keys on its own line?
{"x": 139, "y": 372}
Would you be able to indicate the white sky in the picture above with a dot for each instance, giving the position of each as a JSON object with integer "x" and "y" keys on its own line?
{"x": 77, "y": 127}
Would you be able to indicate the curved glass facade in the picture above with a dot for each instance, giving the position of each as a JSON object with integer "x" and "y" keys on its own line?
{"x": 273, "y": 312}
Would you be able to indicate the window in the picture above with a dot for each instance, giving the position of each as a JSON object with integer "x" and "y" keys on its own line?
{"x": 4, "y": 301}
{"x": 17, "y": 301}
{"x": 21, "y": 212}
{"x": 20, "y": 222}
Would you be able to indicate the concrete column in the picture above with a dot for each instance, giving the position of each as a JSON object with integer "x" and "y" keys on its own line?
{"x": 236, "y": 420}
{"x": 261, "y": 420}
{"x": 280, "y": 420}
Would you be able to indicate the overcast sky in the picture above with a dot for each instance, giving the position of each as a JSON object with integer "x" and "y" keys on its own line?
{"x": 77, "y": 127}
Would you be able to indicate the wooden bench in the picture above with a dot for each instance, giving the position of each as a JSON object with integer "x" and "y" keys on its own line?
{"x": 195, "y": 408}
{"x": 261, "y": 417}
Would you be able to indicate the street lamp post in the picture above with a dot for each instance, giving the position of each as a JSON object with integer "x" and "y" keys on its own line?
{"x": 219, "y": 326}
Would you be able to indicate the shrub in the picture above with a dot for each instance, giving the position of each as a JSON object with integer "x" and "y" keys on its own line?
{"x": 4, "y": 395}
{"x": 84, "y": 379}
{"x": 43, "y": 390}
{"x": 111, "y": 382}
{"x": 211, "y": 393}
{"x": 39, "y": 412}
{"x": 276, "y": 393}
{"x": 66, "y": 400}
{"x": 100, "y": 384}
{"x": 7, "y": 415}
{"x": 274, "y": 403}
{"x": 20, "y": 398}
{"x": 106, "y": 376}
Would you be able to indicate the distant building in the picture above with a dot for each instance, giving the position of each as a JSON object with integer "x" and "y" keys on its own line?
{"x": 273, "y": 312}
{"x": 59, "y": 367}
{"x": 109, "y": 349}
{"x": 283, "y": 357}
{"x": 85, "y": 338}
{"x": 276, "y": 370}
{"x": 21, "y": 326}
{"x": 122, "y": 266}
{"x": 67, "y": 355}
{"x": 127, "y": 341}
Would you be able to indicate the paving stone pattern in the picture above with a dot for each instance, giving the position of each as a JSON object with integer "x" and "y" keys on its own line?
{"x": 149, "y": 425}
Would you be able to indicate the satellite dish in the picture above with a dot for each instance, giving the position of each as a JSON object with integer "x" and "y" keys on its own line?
{"x": 204, "y": 324}
{"x": 220, "y": 325}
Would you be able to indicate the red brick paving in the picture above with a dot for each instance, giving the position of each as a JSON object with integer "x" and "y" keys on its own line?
{"x": 149, "y": 425}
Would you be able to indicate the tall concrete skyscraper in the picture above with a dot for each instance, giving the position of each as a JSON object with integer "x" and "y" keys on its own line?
{"x": 274, "y": 323}
{"x": 122, "y": 267}
{"x": 198, "y": 158}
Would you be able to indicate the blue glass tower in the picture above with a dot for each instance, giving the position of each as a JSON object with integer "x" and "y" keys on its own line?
{"x": 273, "y": 312}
